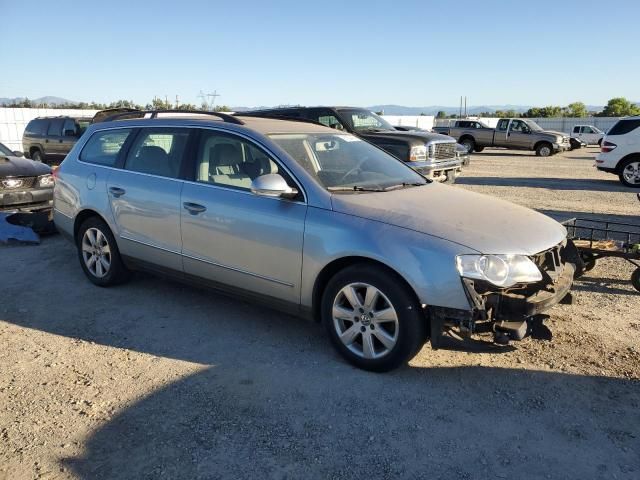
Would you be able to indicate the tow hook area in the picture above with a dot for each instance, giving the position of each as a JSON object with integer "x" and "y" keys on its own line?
{"x": 503, "y": 331}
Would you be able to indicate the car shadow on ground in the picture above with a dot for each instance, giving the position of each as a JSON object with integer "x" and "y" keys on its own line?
{"x": 552, "y": 183}
{"x": 274, "y": 401}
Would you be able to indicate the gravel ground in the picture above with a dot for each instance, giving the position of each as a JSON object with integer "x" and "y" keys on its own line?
{"x": 157, "y": 380}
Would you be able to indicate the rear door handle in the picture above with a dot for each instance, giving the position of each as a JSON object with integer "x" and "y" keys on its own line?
{"x": 194, "y": 208}
{"x": 116, "y": 191}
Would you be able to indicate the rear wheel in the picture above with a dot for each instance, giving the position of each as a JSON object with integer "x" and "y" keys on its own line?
{"x": 478, "y": 149}
{"x": 99, "y": 255}
{"x": 544, "y": 150}
{"x": 630, "y": 172}
{"x": 635, "y": 279}
{"x": 589, "y": 260}
{"x": 468, "y": 143}
{"x": 372, "y": 318}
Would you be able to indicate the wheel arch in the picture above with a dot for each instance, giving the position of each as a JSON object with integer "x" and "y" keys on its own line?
{"x": 542, "y": 142}
{"x": 81, "y": 217}
{"x": 466, "y": 136}
{"x": 339, "y": 264}
{"x": 630, "y": 156}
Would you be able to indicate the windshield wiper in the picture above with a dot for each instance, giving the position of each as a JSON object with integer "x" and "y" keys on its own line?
{"x": 355, "y": 188}
{"x": 402, "y": 185}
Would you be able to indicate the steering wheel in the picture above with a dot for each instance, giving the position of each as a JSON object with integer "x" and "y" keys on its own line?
{"x": 353, "y": 170}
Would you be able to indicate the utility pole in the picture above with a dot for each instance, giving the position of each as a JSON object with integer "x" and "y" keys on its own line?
{"x": 177, "y": 102}
{"x": 213, "y": 99}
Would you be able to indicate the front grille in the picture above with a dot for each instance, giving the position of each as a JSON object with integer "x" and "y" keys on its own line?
{"x": 550, "y": 261}
{"x": 26, "y": 182}
{"x": 444, "y": 151}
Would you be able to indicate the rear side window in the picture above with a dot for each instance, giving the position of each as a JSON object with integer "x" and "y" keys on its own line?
{"x": 624, "y": 126}
{"x": 158, "y": 151}
{"x": 37, "y": 127}
{"x": 103, "y": 147}
{"x": 576, "y": 129}
{"x": 55, "y": 127}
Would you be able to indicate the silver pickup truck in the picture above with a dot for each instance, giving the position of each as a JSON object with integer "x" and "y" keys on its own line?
{"x": 513, "y": 133}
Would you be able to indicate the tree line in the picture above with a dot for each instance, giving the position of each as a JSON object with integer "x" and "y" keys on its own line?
{"x": 616, "y": 107}
{"x": 155, "y": 104}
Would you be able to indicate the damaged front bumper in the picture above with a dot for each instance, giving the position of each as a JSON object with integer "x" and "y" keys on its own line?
{"x": 507, "y": 312}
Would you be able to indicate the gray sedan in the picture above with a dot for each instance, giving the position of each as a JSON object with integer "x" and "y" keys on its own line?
{"x": 310, "y": 220}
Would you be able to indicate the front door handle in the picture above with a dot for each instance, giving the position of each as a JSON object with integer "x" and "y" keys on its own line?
{"x": 194, "y": 208}
{"x": 116, "y": 191}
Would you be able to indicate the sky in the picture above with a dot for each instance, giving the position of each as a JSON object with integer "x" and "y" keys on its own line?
{"x": 265, "y": 53}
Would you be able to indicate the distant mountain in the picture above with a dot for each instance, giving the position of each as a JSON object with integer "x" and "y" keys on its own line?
{"x": 48, "y": 100}
{"x": 434, "y": 109}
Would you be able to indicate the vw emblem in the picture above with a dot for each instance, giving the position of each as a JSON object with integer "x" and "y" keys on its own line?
{"x": 12, "y": 183}
{"x": 365, "y": 319}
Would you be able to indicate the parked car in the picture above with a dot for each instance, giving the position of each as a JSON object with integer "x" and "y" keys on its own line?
{"x": 430, "y": 154}
{"x": 620, "y": 151}
{"x": 444, "y": 129}
{"x": 49, "y": 139}
{"x": 576, "y": 143}
{"x": 512, "y": 133}
{"x": 588, "y": 134}
{"x": 25, "y": 185}
{"x": 312, "y": 220}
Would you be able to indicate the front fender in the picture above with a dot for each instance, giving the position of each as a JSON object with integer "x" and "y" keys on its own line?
{"x": 427, "y": 263}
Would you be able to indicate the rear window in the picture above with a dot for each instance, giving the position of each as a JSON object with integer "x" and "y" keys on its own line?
{"x": 37, "y": 127}
{"x": 624, "y": 126}
{"x": 55, "y": 127}
{"x": 103, "y": 147}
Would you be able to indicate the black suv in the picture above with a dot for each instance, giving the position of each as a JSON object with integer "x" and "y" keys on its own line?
{"x": 433, "y": 155}
{"x": 51, "y": 138}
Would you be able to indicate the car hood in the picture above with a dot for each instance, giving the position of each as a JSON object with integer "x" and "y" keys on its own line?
{"x": 413, "y": 138}
{"x": 21, "y": 167}
{"x": 553, "y": 133}
{"x": 482, "y": 223}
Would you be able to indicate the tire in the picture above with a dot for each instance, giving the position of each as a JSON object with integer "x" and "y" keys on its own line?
{"x": 544, "y": 149}
{"x": 469, "y": 144}
{"x": 589, "y": 260}
{"x": 345, "y": 313}
{"x": 107, "y": 268}
{"x": 629, "y": 172}
{"x": 635, "y": 279}
{"x": 478, "y": 149}
{"x": 37, "y": 156}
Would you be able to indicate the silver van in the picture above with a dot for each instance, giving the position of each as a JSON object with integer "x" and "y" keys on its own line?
{"x": 310, "y": 220}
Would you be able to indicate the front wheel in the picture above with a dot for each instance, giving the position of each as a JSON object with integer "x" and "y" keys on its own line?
{"x": 372, "y": 318}
{"x": 544, "y": 150}
{"x": 635, "y": 279}
{"x": 630, "y": 173}
{"x": 478, "y": 149}
{"x": 99, "y": 255}
{"x": 36, "y": 156}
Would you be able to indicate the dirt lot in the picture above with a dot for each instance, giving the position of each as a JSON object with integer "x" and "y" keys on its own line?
{"x": 156, "y": 380}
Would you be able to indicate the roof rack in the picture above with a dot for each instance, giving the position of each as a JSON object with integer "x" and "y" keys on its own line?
{"x": 279, "y": 117}
{"x": 154, "y": 114}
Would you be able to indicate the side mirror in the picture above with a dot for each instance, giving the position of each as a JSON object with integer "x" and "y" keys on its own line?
{"x": 272, "y": 185}
{"x": 18, "y": 153}
{"x": 70, "y": 133}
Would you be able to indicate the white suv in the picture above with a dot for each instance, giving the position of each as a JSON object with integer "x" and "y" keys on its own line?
{"x": 620, "y": 151}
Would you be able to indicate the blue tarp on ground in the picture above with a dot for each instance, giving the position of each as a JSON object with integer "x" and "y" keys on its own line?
{"x": 10, "y": 233}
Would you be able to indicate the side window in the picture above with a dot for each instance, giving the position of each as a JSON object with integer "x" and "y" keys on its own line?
{"x": 229, "y": 161}
{"x": 587, "y": 130}
{"x": 502, "y": 125}
{"x": 327, "y": 118}
{"x": 517, "y": 126}
{"x": 36, "y": 127}
{"x": 576, "y": 129}
{"x": 624, "y": 126}
{"x": 69, "y": 128}
{"x": 55, "y": 127}
{"x": 103, "y": 147}
{"x": 158, "y": 151}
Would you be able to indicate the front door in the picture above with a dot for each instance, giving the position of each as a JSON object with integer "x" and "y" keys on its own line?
{"x": 233, "y": 237}
{"x": 145, "y": 197}
{"x": 519, "y": 135}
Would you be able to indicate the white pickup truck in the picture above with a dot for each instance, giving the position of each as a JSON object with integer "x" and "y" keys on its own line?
{"x": 588, "y": 134}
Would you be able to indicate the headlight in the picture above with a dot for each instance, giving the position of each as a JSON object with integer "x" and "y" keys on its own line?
{"x": 418, "y": 153}
{"x": 45, "y": 181}
{"x": 501, "y": 270}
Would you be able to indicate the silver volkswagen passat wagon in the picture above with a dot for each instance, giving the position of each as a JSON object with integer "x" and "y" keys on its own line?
{"x": 313, "y": 221}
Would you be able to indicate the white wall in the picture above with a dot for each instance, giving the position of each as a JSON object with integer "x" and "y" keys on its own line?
{"x": 421, "y": 121}
{"x": 14, "y": 120}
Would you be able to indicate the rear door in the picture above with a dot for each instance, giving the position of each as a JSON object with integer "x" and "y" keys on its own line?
{"x": 501, "y": 134}
{"x": 145, "y": 197}
{"x": 232, "y": 236}
{"x": 53, "y": 139}
{"x": 70, "y": 135}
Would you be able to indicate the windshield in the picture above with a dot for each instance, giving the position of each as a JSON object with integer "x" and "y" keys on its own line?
{"x": 343, "y": 162}
{"x": 4, "y": 150}
{"x": 362, "y": 120}
{"x": 533, "y": 126}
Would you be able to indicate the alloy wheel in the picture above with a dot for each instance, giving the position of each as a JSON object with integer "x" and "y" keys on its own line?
{"x": 96, "y": 252}
{"x": 631, "y": 173}
{"x": 365, "y": 320}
